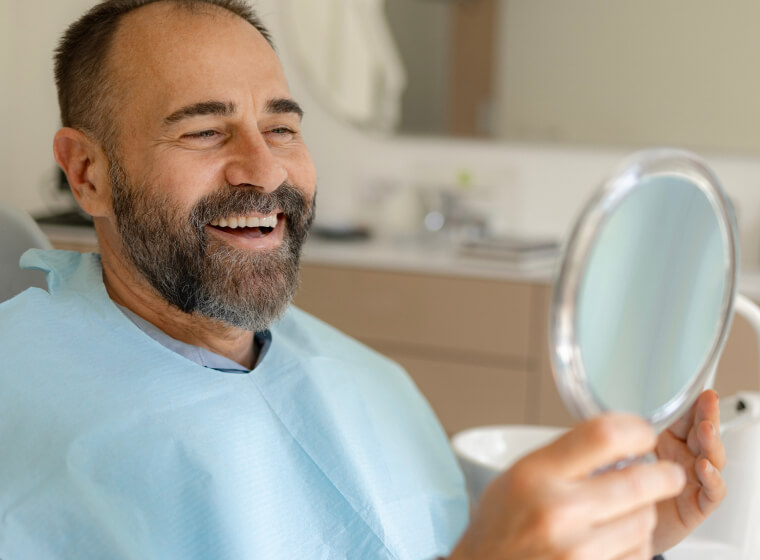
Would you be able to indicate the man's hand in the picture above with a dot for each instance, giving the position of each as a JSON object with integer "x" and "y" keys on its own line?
{"x": 549, "y": 506}
{"x": 694, "y": 443}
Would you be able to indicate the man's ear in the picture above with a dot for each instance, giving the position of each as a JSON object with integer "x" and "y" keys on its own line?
{"x": 86, "y": 167}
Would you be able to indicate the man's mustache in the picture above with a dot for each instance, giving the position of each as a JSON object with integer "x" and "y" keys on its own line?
{"x": 240, "y": 201}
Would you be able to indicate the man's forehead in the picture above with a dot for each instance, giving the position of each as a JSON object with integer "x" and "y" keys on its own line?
{"x": 167, "y": 17}
{"x": 169, "y": 50}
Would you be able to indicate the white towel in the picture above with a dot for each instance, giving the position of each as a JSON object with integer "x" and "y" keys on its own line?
{"x": 348, "y": 52}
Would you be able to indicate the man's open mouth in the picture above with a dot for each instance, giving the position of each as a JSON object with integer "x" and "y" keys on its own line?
{"x": 247, "y": 226}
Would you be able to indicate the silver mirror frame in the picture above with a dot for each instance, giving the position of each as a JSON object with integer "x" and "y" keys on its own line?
{"x": 567, "y": 364}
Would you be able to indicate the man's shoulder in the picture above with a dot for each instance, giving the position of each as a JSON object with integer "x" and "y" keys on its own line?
{"x": 21, "y": 308}
{"x": 66, "y": 271}
{"x": 54, "y": 321}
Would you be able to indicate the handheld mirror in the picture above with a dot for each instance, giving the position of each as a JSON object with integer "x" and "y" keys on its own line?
{"x": 644, "y": 298}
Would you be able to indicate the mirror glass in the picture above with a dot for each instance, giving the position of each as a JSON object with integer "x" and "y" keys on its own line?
{"x": 583, "y": 72}
{"x": 645, "y": 294}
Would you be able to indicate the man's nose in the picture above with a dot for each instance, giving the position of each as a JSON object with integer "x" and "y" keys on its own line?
{"x": 254, "y": 164}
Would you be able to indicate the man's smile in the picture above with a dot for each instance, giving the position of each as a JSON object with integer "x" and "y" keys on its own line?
{"x": 250, "y": 232}
{"x": 234, "y": 222}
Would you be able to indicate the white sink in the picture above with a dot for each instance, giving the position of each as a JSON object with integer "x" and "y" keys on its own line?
{"x": 485, "y": 452}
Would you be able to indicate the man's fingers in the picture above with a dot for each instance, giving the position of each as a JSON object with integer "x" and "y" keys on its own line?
{"x": 641, "y": 554}
{"x": 704, "y": 408}
{"x": 615, "y": 494}
{"x": 708, "y": 408}
{"x": 594, "y": 444}
{"x": 670, "y": 448}
{"x": 621, "y": 538}
{"x": 713, "y": 487}
{"x": 680, "y": 428}
{"x": 711, "y": 444}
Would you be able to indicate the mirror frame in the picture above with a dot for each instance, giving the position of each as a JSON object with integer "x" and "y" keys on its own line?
{"x": 566, "y": 360}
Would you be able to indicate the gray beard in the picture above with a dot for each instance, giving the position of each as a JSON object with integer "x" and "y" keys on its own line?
{"x": 198, "y": 273}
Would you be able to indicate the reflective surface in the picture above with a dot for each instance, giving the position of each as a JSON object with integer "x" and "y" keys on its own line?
{"x": 650, "y": 301}
{"x": 644, "y": 300}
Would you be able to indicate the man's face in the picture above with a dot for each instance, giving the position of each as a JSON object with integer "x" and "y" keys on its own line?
{"x": 212, "y": 184}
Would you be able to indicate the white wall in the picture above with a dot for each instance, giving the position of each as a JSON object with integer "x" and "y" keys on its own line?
{"x": 5, "y": 93}
{"x": 30, "y": 31}
{"x": 680, "y": 72}
{"x": 539, "y": 189}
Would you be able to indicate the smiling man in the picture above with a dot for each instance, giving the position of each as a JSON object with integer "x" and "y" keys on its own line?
{"x": 163, "y": 400}
{"x": 201, "y": 189}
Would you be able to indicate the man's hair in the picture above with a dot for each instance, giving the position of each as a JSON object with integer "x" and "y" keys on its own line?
{"x": 85, "y": 88}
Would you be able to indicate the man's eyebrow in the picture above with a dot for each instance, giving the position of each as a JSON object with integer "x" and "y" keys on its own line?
{"x": 219, "y": 108}
{"x": 284, "y": 105}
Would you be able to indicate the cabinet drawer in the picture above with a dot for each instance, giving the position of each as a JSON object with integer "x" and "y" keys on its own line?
{"x": 465, "y": 395}
{"x": 465, "y": 315}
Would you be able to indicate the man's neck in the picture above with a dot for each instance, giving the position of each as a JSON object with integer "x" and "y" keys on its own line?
{"x": 127, "y": 288}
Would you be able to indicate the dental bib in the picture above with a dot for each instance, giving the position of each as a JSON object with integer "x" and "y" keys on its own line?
{"x": 115, "y": 447}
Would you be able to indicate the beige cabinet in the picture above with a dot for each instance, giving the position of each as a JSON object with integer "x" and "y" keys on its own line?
{"x": 476, "y": 348}
{"x": 468, "y": 343}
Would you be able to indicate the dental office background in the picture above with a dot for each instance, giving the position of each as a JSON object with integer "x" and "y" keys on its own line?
{"x": 583, "y": 83}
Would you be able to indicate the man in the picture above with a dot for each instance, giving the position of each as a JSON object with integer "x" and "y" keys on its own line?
{"x": 162, "y": 401}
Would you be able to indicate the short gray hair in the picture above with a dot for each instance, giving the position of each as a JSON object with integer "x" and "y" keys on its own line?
{"x": 81, "y": 69}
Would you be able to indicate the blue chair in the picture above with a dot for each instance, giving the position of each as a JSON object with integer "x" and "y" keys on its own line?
{"x": 18, "y": 232}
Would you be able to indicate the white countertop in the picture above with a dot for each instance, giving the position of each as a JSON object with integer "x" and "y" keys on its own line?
{"x": 412, "y": 257}
{"x": 396, "y": 255}
{"x": 421, "y": 258}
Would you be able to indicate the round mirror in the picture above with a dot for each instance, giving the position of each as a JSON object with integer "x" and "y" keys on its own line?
{"x": 644, "y": 298}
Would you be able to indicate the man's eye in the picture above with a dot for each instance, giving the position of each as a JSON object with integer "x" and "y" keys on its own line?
{"x": 203, "y": 134}
{"x": 280, "y": 134}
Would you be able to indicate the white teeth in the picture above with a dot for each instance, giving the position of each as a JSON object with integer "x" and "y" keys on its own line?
{"x": 243, "y": 221}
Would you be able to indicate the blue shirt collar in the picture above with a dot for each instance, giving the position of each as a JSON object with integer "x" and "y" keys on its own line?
{"x": 200, "y": 356}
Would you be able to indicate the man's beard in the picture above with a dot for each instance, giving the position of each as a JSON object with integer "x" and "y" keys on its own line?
{"x": 197, "y": 272}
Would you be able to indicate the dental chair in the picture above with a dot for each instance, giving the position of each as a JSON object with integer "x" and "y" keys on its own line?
{"x": 18, "y": 232}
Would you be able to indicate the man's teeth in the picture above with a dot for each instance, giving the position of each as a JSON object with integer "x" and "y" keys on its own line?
{"x": 242, "y": 221}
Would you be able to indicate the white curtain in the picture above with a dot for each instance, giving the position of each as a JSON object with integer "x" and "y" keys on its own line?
{"x": 347, "y": 51}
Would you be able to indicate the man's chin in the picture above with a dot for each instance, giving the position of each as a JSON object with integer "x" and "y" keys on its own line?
{"x": 245, "y": 320}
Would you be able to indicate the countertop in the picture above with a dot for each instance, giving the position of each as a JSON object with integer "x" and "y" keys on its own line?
{"x": 408, "y": 256}
{"x": 383, "y": 254}
{"x": 423, "y": 258}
